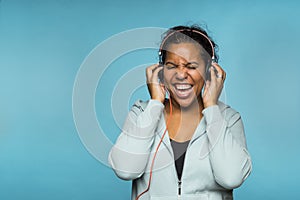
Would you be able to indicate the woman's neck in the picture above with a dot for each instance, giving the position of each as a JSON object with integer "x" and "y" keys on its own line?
{"x": 184, "y": 121}
{"x": 194, "y": 109}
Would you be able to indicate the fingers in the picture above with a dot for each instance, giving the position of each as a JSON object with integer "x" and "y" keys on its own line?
{"x": 156, "y": 90}
{"x": 157, "y": 70}
{"x": 221, "y": 74}
{"x": 213, "y": 75}
{"x": 207, "y": 85}
{"x": 152, "y": 72}
{"x": 151, "y": 69}
{"x": 213, "y": 88}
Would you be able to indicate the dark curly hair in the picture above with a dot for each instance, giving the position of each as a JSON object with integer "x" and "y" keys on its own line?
{"x": 180, "y": 34}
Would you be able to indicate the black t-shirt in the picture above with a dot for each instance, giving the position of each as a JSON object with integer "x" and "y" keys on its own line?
{"x": 179, "y": 149}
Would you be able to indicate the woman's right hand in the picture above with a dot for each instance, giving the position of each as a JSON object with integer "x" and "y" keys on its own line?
{"x": 156, "y": 89}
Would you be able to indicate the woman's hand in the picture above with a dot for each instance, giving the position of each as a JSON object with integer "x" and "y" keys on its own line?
{"x": 213, "y": 88}
{"x": 156, "y": 89}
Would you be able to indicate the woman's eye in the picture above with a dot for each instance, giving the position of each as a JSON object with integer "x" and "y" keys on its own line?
{"x": 192, "y": 67}
{"x": 170, "y": 66}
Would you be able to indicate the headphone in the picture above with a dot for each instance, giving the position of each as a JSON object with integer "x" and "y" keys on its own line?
{"x": 213, "y": 58}
{"x": 170, "y": 99}
{"x": 181, "y": 30}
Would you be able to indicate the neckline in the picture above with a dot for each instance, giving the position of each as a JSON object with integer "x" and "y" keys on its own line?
{"x": 184, "y": 142}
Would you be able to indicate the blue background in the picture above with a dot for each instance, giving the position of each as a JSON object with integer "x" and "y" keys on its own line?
{"x": 43, "y": 43}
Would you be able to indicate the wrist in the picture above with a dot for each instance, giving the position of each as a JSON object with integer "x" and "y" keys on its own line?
{"x": 208, "y": 104}
{"x": 158, "y": 99}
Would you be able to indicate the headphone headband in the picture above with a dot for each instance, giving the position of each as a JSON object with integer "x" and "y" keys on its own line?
{"x": 195, "y": 31}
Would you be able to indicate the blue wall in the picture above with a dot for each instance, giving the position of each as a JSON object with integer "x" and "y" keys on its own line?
{"x": 43, "y": 43}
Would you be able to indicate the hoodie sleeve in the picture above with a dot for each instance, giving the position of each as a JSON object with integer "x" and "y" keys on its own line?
{"x": 230, "y": 160}
{"x": 129, "y": 156}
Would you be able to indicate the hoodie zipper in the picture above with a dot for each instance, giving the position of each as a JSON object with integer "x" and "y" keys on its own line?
{"x": 179, "y": 182}
{"x": 179, "y": 189}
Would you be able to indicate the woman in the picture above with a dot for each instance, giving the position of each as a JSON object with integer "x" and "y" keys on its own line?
{"x": 189, "y": 146}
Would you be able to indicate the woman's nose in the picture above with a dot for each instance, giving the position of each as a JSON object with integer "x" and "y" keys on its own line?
{"x": 181, "y": 73}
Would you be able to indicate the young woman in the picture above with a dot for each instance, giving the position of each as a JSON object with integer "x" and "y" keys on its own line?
{"x": 189, "y": 145}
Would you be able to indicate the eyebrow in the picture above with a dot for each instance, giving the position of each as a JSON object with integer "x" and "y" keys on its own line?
{"x": 189, "y": 63}
{"x": 171, "y": 63}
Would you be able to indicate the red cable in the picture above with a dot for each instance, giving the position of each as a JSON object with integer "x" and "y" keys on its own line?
{"x": 153, "y": 159}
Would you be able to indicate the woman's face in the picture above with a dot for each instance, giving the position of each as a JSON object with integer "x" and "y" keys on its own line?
{"x": 184, "y": 72}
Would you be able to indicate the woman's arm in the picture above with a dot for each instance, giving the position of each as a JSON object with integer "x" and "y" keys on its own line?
{"x": 129, "y": 156}
{"x": 230, "y": 160}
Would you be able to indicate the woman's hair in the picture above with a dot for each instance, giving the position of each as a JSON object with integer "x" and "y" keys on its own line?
{"x": 182, "y": 34}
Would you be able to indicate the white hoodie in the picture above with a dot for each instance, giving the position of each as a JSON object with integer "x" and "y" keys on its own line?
{"x": 216, "y": 160}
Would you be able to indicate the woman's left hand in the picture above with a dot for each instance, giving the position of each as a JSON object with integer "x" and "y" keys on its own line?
{"x": 213, "y": 88}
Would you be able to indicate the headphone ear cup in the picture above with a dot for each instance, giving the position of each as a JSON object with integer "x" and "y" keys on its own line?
{"x": 161, "y": 76}
{"x": 159, "y": 57}
{"x": 207, "y": 72}
{"x": 161, "y": 72}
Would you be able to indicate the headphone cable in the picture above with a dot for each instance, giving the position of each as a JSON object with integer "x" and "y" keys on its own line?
{"x": 153, "y": 159}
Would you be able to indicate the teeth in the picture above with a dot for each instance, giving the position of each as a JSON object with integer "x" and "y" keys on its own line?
{"x": 183, "y": 87}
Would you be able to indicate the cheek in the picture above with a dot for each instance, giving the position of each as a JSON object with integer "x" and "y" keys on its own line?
{"x": 198, "y": 75}
{"x": 168, "y": 74}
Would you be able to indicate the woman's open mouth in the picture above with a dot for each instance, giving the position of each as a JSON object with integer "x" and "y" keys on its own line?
{"x": 183, "y": 90}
